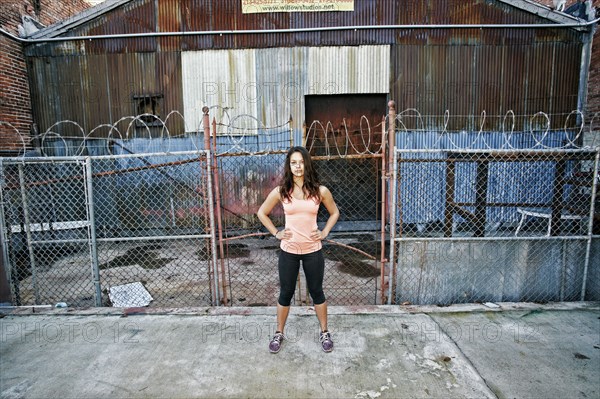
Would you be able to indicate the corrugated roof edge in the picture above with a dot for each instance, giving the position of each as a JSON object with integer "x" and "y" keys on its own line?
{"x": 541, "y": 10}
{"x": 61, "y": 27}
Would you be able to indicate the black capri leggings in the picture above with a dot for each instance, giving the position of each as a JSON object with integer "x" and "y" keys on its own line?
{"x": 289, "y": 266}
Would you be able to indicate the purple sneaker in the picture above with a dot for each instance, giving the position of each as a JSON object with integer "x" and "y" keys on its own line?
{"x": 275, "y": 344}
{"x": 326, "y": 342}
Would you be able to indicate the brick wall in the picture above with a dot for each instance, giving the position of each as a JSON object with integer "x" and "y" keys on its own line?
{"x": 15, "y": 102}
{"x": 48, "y": 12}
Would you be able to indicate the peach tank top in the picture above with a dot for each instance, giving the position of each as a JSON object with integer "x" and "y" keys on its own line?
{"x": 301, "y": 219}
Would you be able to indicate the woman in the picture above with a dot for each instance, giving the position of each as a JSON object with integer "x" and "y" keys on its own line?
{"x": 301, "y": 195}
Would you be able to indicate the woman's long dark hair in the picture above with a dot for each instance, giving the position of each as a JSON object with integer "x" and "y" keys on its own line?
{"x": 311, "y": 178}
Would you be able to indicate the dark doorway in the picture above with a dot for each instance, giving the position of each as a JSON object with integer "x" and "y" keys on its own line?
{"x": 342, "y": 131}
{"x": 352, "y": 121}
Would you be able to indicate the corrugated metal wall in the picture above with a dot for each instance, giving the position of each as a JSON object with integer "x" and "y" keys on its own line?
{"x": 464, "y": 71}
{"x": 468, "y": 80}
{"x": 142, "y": 16}
{"x": 100, "y": 89}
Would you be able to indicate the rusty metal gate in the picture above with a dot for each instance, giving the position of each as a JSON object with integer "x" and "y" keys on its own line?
{"x": 248, "y": 256}
{"x": 350, "y": 165}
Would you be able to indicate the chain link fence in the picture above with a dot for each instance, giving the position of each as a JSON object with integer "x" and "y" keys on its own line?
{"x": 486, "y": 225}
{"x": 47, "y": 226}
{"x": 350, "y": 165}
{"x": 447, "y": 218}
{"x": 112, "y": 229}
{"x": 250, "y": 254}
{"x": 175, "y": 231}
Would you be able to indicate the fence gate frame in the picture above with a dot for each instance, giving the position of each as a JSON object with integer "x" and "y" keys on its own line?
{"x": 29, "y": 228}
{"x": 380, "y": 263}
{"x": 591, "y": 155}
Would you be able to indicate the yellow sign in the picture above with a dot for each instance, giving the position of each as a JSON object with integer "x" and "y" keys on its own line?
{"x": 258, "y": 6}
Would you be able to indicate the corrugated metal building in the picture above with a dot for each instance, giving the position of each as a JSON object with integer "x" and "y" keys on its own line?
{"x": 126, "y": 57}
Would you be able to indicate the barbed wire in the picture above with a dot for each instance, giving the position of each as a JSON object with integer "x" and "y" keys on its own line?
{"x": 328, "y": 131}
{"x": 247, "y": 134}
{"x": 537, "y": 132}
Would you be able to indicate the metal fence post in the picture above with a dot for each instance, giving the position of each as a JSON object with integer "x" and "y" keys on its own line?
{"x": 384, "y": 198}
{"x": 28, "y": 233}
{"x": 590, "y": 224}
{"x": 217, "y": 191}
{"x": 391, "y": 129}
{"x": 4, "y": 244}
{"x": 393, "y": 191}
{"x": 391, "y": 140}
{"x": 209, "y": 190}
{"x": 304, "y": 134}
{"x": 211, "y": 216}
{"x": 92, "y": 231}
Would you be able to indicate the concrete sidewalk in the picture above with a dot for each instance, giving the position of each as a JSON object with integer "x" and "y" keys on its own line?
{"x": 516, "y": 350}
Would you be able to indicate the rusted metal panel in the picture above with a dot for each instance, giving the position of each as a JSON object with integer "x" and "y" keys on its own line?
{"x": 348, "y": 123}
{"x": 133, "y": 17}
{"x": 170, "y": 20}
{"x": 100, "y": 89}
{"x": 565, "y": 78}
{"x": 538, "y": 90}
{"x": 38, "y": 76}
{"x": 93, "y": 94}
{"x": 148, "y": 16}
{"x": 472, "y": 79}
{"x": 488, "y": 86}
{"x": 142, "y": 16}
